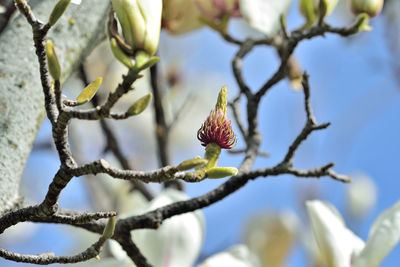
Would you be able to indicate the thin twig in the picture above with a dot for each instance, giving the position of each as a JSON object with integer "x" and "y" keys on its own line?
{"x": 289, "y": 45}
{"x": 237, "y": 63}
{"x": 161, "y": 127}
{"x": 180, "y": 112}
{"x": 310, "y": 124}
{"x": 241, "y": 151}
{"x": 161, "y": 124}
{"x": 235, "y": 106}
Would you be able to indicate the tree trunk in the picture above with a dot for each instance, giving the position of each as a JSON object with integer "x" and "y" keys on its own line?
{"x": 21, "y": 97}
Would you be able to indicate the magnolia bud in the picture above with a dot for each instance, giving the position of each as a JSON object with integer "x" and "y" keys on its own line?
{"x": 221, "y": 172}
{"x": 141, "y": 23}
{"x": 294, "y": 73}
{"x": 371, "y": 7}
{"x": 222, "y": 101}
{"x": 310, "y": 9}
{"x": 216, "y": 131}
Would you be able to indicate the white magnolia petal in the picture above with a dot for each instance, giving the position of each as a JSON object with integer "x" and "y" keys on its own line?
{"x": 336, "y": 243}
{"x": 236, "y": 256}
{"x": 132, "y": 21}
{"x": 383, "y": 237}
{"x": 151, "y": 11}
{"x": 178, "y": 241}
{"x": 76, "y": 2}
{"x": 312, "y": 250}
{"x": 264, "y": 15}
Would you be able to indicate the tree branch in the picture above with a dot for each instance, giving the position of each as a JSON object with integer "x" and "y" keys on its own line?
{"x": 125, "y": 240}
{"x": 50, "y": 258}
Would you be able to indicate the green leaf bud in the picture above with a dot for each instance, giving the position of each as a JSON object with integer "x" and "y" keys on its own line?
{"x": 191, "y": 163}
{"x": 221, "y": 172}
{"x": 58, "y": 10}
{"x": 89, "y": 92}
{"x": 310, "y": 9}
{"x": 140, "y": 105}
{"x": 110, "y": 227}
{"x": 52, "y": 61}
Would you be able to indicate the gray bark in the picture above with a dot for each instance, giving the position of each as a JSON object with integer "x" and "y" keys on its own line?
{"x": 21, "y": 97}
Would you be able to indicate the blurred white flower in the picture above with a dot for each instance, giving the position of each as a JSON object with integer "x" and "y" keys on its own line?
{"x": 341, "y": 247}
{"x": 383, "y": 237}
{"x": 177, "y": 242}
{"x": 215, "y": 9}
{"x": 76, "y": 2}
{"x": 270, "y": 235}
{"x": 336, "y": 243}
{"x": 263, "y": 15}
{"x": 371, "y": 7}
{"x": 105, "y": 262}
{"x": 180, "y": 16}
{"x": 236, "y": 256}
{"x": 361, "y": 195}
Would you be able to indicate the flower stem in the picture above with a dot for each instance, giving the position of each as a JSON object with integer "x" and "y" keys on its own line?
{"x": 212, "y": 154}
